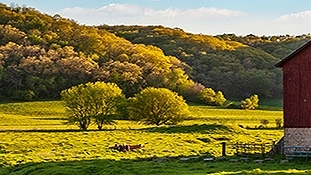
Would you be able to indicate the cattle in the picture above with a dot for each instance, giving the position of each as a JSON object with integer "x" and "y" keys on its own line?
{"x": 126, "y": 148}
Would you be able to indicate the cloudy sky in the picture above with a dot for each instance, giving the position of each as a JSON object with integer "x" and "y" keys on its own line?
{"x": 212, "y": 17}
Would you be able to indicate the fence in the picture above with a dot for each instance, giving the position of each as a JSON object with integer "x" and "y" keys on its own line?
{"x": 248, "y": 148}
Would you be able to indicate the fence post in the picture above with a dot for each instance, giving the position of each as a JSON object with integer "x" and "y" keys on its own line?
{"x": 223, "y": 148}
{"x": 273, "y": 147}
{"x": 263, "y": 146}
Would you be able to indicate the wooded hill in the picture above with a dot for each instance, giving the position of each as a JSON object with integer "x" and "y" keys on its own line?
{"x": 41, "y": 55}
{"x": 236, "y": 65}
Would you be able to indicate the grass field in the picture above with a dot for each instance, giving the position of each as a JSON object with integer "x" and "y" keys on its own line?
{"x": 34, "y": 140}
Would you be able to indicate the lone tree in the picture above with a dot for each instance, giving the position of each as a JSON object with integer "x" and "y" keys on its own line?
{"x": 92, "y": 101}
{"x": 158, "y": 106}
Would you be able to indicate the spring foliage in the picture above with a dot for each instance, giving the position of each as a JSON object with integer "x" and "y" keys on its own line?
{"x": 158, "y": 106}
{"x": 250, "y": 103}
{"x": 92, "y": 102}
{"x": 42, "y": 55}
{"x": 209, "y": 96}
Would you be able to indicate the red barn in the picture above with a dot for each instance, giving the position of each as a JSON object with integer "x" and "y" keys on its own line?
{"x": 297, "y": 96}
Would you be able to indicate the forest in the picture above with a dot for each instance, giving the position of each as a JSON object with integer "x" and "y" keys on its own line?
{"x": 41, "y": 55}
{"x": 236, "y": 65}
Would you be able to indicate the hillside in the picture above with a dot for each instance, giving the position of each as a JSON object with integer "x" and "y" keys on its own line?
{"x": 237, "y": 65}
{"x": 42, "y": 55}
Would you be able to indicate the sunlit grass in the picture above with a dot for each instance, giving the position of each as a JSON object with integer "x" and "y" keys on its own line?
{"x": 37, "y": 137}
{"x": 247, "y": 118}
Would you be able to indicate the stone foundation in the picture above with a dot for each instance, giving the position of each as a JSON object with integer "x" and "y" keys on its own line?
{"x": 297, "y": 137}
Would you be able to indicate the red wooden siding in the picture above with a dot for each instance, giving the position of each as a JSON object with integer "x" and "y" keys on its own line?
{"x": 291, "y": 98}
{"x": 305, "y": 99}
{"x": 297, "y": 89}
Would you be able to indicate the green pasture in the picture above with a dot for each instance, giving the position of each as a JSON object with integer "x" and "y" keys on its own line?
{"x": 34, "y": 140}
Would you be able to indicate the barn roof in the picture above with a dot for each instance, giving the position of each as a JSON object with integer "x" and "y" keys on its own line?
{"x": 290, "y": 56}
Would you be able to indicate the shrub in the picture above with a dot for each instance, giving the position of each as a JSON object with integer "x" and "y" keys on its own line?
{"x": 250, "y": 103}
{"x": 264, "y": 122}
{"x": 278, "y": 122}
{"x": 209, "y": 96}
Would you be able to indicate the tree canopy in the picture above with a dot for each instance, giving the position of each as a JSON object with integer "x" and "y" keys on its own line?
{"x": 158, "y": 106}
{"x": 92, "y": 102}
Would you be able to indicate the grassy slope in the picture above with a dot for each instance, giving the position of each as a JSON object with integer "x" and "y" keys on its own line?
{"x": 43, "y": 145}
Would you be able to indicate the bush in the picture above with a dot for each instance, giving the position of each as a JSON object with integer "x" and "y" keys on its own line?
{"x": 264, "y": 122}
{"x": 250, "y": 103}
{"x": 278, "y": 122}
{"x": 219, "y": 98}
{"x": 209, "y": 97}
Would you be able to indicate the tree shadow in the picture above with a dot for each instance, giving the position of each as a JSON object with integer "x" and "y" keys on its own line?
{"x": 56, "y": 130}
{"x": 47, "y": 118}
{"x": 204, "y": 128}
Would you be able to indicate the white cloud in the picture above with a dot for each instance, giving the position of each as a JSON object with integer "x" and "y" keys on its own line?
{"x": 301, "y": 16}
{"x": 132, "y": 14}
{"x": 293, "y": 24}
{"x": 119, "y": 10}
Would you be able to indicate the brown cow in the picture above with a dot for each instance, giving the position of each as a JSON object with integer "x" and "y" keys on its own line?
{"x": 126, "y": 148}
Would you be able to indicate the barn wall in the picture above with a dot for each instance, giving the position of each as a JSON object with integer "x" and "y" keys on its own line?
{"x": 291, "y": 99}
{"x": 300, "y": 62}
{"x": 297, "y": 136}
{"x": 305, "y": 99}
{"x": 297, "y": 90}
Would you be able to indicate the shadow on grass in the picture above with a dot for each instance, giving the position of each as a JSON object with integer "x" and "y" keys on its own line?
{"x": 265, "y": 128}
{"x": 47, "y": 118}
{"x": 56, "y": 130}
{"x": 204, "y": 128}
{"x": 167, "y": 166}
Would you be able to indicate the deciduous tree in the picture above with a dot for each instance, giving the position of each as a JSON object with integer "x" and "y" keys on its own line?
{"x": 92, "y": 101}
{"x": 158, "y": 106}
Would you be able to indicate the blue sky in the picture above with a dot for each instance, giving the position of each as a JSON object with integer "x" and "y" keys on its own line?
{"x": 212, "y": 17}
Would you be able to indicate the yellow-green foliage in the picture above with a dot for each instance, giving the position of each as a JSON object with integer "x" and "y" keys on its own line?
{"x": 158, "y": 106}
{"x": 199, "y": 135}
{"x": 250, "y": 103}
{"x": 92, "y": 101}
